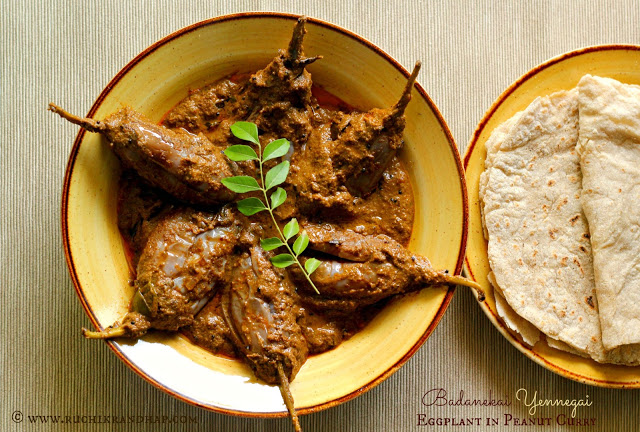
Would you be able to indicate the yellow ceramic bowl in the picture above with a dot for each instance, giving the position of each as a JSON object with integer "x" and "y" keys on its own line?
{"x": 621, "y": 62}
{"x": 362, "y": 75}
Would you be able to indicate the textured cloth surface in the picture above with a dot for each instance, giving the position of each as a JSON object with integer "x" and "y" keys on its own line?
{"x": 67, "y": 52}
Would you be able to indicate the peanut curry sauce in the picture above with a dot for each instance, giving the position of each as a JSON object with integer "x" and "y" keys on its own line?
{"x": 389, "y": 210}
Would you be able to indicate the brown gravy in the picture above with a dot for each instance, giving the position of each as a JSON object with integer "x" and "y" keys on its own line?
{"x": 389, "y": 210}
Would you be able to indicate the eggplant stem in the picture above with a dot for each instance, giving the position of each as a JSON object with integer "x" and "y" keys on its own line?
{"x": 285, "y": 390}
{"x": 294, "y": 51}
{"x": 87, "y": 123}
{"x": 107, "y": 333}
{"x": 399, "y": 107}
{"x": 295, "y": 44}
{"x": 459, "y": 280}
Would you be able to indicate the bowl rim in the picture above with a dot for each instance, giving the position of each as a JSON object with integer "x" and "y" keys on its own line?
{"x": 263, "y": 15}
{"x": 490, "y": 313}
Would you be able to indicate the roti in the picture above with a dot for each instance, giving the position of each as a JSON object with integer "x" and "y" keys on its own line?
{"x": 527, "y": 331}
{"x": 538, "y": 235}
{"x": 538, "y": 238}
{"x": 609, "y": 147}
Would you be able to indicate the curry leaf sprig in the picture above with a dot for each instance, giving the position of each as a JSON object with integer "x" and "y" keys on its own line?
{"x": 248, "y": 131}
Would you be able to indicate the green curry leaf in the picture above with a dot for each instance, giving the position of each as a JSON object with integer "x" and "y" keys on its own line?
{"x": 311, "y": 265}
{"x": 278, "y": 197}
{"x": 251, "y": 206}
{"x": 241, "y": 184}
{"x": 240, "y": 152}
{"x": 271, "y": 243}
{"x": 283, "y": 260}
{"x": 290, "y": 229}
{"x": 276, "y": 149}
{"x": 301, "y": 243}
{"x": 276, "y": 175}
{"x": 246, "y": 131}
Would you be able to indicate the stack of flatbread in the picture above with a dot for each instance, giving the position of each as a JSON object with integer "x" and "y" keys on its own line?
{"x": 560, "y": 198}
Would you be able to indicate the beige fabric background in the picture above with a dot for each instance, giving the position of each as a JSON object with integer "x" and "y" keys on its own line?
{"x": 68, "y": 51}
